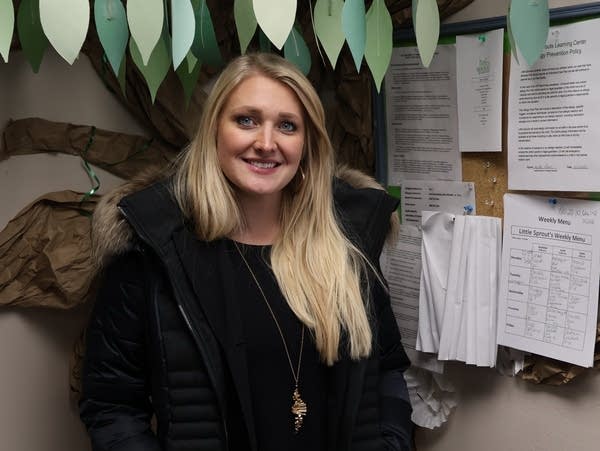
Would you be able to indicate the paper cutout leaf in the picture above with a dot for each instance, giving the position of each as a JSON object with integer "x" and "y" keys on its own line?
{"x": 122, "y": 75}
{"x": 378, "y": 51}
{"x": 354, "y": 26}
{"x": 245, "y": 22}
{"x": 426, "y": 21}
{"x": 328, "y": 27}
{"x": 31, "y": 36}
{"x": 296, "y": 51}
{"x": 65, "y": 23}
{"x": 184, "y": 29}
{"x": 205, "y": 46}
{"x": 529, "y": 22}
{"x": 111, "y": 24}
{"x": 189, "y": 73}
{"x": 511, "y": 38}
{"x": 276, "y": 19}
{"x": 145, "y": 18}
{"x": 7, "y": 26}
{"x": 158, "y": 64}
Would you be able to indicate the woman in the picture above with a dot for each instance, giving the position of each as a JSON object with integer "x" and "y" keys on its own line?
{"x": 240, "y": 301}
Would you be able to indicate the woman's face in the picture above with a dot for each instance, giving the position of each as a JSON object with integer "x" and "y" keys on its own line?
{"x": 260, "y": 137}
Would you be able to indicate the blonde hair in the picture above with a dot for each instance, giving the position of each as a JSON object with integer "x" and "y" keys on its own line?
{"x": 319, "y": 271}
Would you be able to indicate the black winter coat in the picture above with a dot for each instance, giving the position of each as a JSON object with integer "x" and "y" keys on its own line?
{"x": 162, "y": 341}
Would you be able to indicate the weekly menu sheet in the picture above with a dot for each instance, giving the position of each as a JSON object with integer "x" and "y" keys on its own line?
{"x": 548, "y": 301}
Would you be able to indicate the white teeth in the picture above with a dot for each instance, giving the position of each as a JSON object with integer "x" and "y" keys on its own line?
{"x": 260, "y": 164}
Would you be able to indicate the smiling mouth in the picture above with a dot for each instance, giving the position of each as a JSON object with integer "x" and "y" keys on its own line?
{"x": 262, "y": 164}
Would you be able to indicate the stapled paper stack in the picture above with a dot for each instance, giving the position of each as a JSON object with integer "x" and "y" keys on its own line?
{"x": 459, "y": 287}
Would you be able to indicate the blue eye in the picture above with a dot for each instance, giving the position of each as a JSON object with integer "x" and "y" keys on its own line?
{"x": 244, "y": 121}
{"x": 288, "y": 126}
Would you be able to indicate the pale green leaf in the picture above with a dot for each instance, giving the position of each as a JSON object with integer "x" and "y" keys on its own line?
{"x": 112, "y": 29}
{"x": 426, "y": 21}
{"x": 530, "y": 21}
{"x": 354, "y": 26}
{"x": 275, "y": 18}
{"x": 31, "y": 36}
{"x": 7, "y": 26}
{"x": 188, "y": 74}
{"x": 245, "y": 22}
{"x": 205, "y": 46}
{"x": 65, "y": 23}
{"x": 184, "y": 29}
{"x": 378, "y": 51}
{"x": 145, "y": 19}
{"x": 511, "y": 38}
{"x": 158, "y": 64}
{"x": 328, "y": 27}
{"x": 296, "y": 51}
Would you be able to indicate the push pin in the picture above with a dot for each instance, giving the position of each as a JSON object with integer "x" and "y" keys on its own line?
{"x": 552, "y": 201}
{"x": 468, "y": 209}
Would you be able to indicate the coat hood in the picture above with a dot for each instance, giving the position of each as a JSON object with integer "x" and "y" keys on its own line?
{"x": 112, "y": 234}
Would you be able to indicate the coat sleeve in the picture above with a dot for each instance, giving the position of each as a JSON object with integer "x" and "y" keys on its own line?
{"x": 396, "y": 425}
{"x": 115, "y": 404}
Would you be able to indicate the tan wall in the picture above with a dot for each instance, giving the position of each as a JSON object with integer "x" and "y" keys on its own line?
{"x": 35, "y": 412}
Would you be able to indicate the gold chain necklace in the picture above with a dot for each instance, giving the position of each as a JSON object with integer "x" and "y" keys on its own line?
{"x": 299, "y": 408}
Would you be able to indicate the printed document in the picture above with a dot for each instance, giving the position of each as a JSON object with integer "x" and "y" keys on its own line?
{"x": 479, "y": 88}
{"x": 554, "y": 109}
{"x": 419, "y": 195}
{"x": 421, "y": 116}
{"x": 401, "y": 266}
{"x": 550, "y": 274}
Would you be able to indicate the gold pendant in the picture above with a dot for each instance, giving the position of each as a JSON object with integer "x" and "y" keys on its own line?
{"x": 299, "y": 410}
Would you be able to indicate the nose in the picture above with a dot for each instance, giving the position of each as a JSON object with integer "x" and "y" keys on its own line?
{"x": 265, "y": 138}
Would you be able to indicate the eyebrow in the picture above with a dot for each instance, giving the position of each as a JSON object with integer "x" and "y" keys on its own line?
{"x": 257, "y": 111}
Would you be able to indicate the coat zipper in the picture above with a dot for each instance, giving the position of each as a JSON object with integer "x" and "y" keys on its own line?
{"x": 186, "y": 319}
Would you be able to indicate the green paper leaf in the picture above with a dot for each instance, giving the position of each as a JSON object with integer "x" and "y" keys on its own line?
{"x": 65, "y": 23}
{"x": 122, "y": 75}
{"x": 205, "y": 46}
{"x": 7, "y": 26}
{"x": 276, "y": 19}
{"x": 378, "y": 51}
{"x": 328, "y": 27}
{"x": 31, "y": 36}
{"x": 158, "y": 64}
{"x": 529, "y": 22}
{"x": 296, "y": 51}
{"x": 426, "y": 21}
{"x": 145, "y": 18}
{"x": 184, "y": 29}
{"x": 111, "y": 25}
{"x": 245, "y": 22}
{"x": 354, "y": 26}
{"x": 188, "y": 74}
{"x": 511, "y": 38}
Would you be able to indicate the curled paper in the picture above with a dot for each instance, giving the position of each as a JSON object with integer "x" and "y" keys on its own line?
{"x": 432, "y": 397}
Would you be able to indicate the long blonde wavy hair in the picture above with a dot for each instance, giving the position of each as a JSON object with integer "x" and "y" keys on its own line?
{"x": 319, "y": 271}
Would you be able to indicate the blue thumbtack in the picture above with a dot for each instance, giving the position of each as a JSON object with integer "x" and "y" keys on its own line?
{"x": 468, "y": 209}
{"x": 552, "y": 201}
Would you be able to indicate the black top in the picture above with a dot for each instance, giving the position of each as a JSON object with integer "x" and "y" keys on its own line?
{"x": 269, "y": 374}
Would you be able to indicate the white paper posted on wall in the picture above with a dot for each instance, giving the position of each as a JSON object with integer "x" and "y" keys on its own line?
{"x": 550, "y": 274}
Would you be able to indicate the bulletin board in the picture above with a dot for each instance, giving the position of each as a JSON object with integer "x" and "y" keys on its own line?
{"x": 489, "y": 170}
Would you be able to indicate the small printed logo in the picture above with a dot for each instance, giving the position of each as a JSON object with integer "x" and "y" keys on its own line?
{"x": 484, "y": 66}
